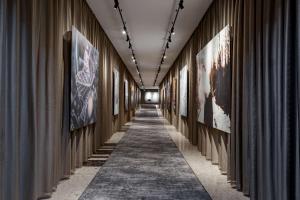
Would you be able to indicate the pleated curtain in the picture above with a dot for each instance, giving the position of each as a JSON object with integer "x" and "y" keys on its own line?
{"x": 263, "y": 150}
{"x": 36, "y": 148}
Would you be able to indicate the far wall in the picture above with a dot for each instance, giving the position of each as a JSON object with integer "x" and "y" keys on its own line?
{"x": 150, "y": 97}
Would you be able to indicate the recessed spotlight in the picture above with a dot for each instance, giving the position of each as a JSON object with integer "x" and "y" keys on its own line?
{"x": 181, "y": 4}
{"x": 116, "y": 4}
{"x": 172, "y": 30}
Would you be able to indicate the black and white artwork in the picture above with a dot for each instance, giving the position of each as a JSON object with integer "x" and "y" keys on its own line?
{"x": 152, "y": 97}
{"x": 132, "y": 103}
{"x": 184, "y": 91}
{"x": 174, "y": 94}
{"x": 84, "y": 81}
{"x": 116, "y": 81}
{"x": 214, "y": 82}
{"x": 168, "y": 95}
{"x": 126, "y": 96}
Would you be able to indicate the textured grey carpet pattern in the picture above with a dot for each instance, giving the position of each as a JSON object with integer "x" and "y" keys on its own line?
{"x": 145, "y": 165}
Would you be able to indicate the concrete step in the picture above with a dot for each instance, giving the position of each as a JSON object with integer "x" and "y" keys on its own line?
{"x": 100, "y": 156}
{"x": 95, "y": 159}
{"x": 104, "y": 151}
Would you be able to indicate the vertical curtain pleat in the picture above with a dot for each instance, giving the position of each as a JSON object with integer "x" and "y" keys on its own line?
{"x": 37, "y": 149}
{"x": 263, "y": 147}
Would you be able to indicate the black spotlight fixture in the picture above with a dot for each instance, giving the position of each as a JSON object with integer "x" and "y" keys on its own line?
{"x": 181, "y": 4}
{"x": 172, "y": 30}
{"x": 116, "y": 4}
{"x": 125, "y": 32}
{"x": 169, "y": 39}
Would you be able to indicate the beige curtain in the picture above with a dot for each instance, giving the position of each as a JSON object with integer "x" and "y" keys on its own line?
{"x": 36, "y": 148}
{"x": 263, "y": 149}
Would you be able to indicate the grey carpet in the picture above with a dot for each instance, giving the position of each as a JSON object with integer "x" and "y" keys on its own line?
{"x": 145, "y": 165}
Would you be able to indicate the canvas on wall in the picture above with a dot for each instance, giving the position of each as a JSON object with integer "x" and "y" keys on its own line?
{"x": 116, "y": 81}
{"x": 168, "y": 95}
{"x": 184, "y": 91}
{"x": 132, "y": 103}
{"x": 152, "y": 97}
{"x": 126, "y": 95}
{"x": 174, "y": 94}
{"x": 214, "y": 82}
{"x": 84, "y": 81}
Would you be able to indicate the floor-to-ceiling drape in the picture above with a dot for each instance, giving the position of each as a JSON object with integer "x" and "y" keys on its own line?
{"x": 271, "y": 98}
{"x": 263, "y": 147}
{"x": 36, "y": 147}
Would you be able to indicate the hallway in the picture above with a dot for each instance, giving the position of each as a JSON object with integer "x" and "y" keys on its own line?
{"x": 146, "y": 164}
{"x": 149, "y": 99}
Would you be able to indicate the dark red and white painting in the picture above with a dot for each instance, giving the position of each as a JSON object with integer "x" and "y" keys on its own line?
{"x": 214, "y": 82}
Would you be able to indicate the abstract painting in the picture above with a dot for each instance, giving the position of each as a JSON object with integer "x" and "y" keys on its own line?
{"x": 214, "y": 82}
{"x": 132, "y": 97}
{"x": 84, "y": 81}
{"x": 151, "y": 97}
{"x": 184, "y": 91}
{"x": 126, "y": 94}
{"x": 174, "y": 94}
{"x": 168, "y": 95}
{"x": 116, "y": 91}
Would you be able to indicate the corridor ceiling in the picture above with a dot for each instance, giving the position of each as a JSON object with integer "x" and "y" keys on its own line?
{"x": 147, "y": 22}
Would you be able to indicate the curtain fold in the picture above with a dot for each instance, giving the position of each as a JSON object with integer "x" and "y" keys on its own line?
{"x": 36, "y": 148}
{"x": 263, "y": 147}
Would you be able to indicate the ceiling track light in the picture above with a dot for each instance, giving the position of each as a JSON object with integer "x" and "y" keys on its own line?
{"x": 125, "y": 32}
{"x": 116, "y": 4}
{"x": 181, "y": 4}
{"x": 172, "y": 30}
{"x": 169, "y": 40}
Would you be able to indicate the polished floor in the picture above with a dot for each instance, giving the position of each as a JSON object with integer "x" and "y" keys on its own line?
{"x": 147, "y": 165}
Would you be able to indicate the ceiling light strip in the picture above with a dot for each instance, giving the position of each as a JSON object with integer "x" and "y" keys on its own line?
{"x": 169, "y": 39}
{"x": 125, "y": 32}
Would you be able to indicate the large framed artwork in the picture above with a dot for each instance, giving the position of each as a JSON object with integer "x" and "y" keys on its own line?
{"x": 84, "y": 81}
{"x": 174, "y": 94}
{"x": 214, "y": 82}
{"x": 184, "y": 91}
{"x": 126, "y": 95}
{"x": 116, "y": 81}
{"x": 132, "y": 102}
{"x": 162, "y": 98}
{"x": 168, "y": 95}
{"x": 151, "y": 97}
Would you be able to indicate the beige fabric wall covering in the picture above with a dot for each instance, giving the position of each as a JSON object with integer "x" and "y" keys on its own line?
{"x": 36, "y": 148}
{"x": 262, "y": 154}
